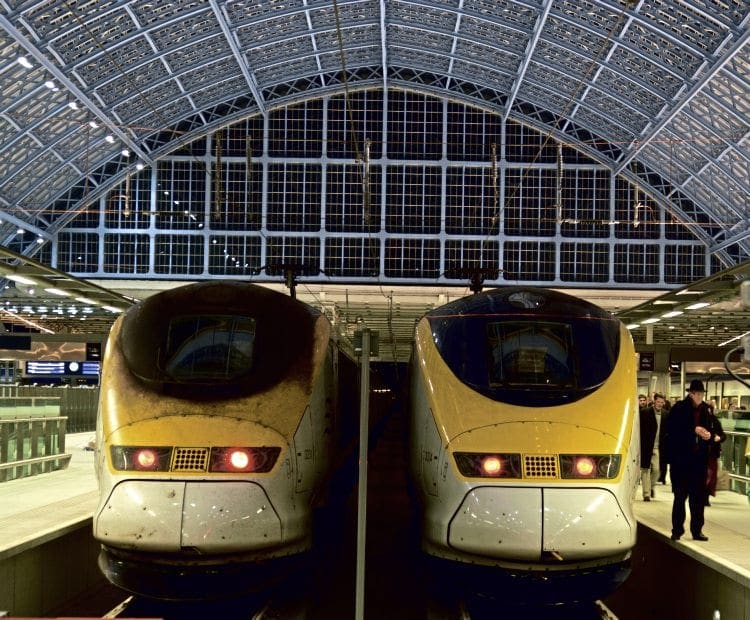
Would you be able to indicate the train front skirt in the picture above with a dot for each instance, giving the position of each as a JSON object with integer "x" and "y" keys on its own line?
{"x": 172, "y": 515}
{"x": 554, "y": 525}
{"x": 182, "y": 540}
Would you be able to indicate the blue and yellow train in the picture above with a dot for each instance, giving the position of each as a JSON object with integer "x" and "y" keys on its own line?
{"x": 524, "y": 441}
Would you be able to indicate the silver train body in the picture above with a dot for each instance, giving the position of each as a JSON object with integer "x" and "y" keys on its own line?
{"x": 216, "y": 426}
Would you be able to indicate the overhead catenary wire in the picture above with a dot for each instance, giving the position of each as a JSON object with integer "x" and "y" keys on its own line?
{"x": 569, "y": 103}
{"x": 734, "y": 375}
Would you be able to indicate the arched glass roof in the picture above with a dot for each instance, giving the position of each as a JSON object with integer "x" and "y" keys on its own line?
{"x": 657, "y": 90}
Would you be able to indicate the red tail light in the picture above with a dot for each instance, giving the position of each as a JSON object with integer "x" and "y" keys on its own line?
{"x": 146, "y": 459}
{"x": 584, "y": 466}
{"x": 239, "y": 459}
{"x": 257, "y": 460}
{"x": 492, "y": 465}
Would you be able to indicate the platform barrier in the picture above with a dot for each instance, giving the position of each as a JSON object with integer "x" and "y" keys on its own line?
{"x": 32, "y": 445}
{"x": 735, "y": 461}
{"x": 78, "y": 404}
{"x": 22, "y": 406}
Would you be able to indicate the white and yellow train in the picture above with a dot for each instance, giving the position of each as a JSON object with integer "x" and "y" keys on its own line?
{"x": 216, "y": 426}
{"x": 524, "y": 441}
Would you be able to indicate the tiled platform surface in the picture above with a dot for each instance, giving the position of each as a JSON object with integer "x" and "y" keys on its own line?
{"x": 727, "y": 527}
{"x": 39, "y": 508}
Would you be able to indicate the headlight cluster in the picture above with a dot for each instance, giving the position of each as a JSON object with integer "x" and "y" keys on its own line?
{"x": 141, "y": 458}
{"x": 222, "y": 459}
{"x": 501, "y": 465}
{"x": 476, "y": 464}
{"x": 598, "y": 466}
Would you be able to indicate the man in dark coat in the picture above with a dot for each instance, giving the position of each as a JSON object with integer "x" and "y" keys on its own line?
{"x": 687, "y": 440}
{"x": 648, "y": 438}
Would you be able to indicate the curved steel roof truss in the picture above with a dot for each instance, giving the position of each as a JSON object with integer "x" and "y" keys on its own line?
{"x": 657, "y": 89}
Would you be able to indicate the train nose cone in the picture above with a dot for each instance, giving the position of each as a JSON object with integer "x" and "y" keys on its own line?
{"x": 540, "y": 524}
{"x": 174, "y": 515}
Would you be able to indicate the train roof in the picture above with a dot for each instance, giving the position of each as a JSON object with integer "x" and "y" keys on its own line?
{"x": 511, "y": 299}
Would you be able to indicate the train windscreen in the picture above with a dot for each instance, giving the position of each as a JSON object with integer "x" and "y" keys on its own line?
{"x": 536, "y": 354}
{"x": 209, "y": 347}
{"x": 531, "y": 361}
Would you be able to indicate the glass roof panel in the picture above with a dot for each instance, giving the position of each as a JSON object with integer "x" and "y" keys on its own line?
{"x": 616, "y": 75}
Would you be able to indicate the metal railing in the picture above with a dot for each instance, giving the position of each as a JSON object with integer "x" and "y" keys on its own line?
{"x": 32, "y": 445}
{"x": 735, "y": 461}
{"x": 78, "y": 404}
{"x": 20, "y": 406}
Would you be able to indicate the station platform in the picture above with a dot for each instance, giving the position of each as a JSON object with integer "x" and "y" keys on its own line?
{"x": 727, "y": 526}
{"x": 37, "y": 511}
{"x": 39, "y": 508}
{"x": 47, "y": 553}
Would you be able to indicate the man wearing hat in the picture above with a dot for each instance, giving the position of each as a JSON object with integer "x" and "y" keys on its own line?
{"x": 687, "y": 442}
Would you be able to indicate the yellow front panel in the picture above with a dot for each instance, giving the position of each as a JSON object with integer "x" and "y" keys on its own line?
{"x": 600, "y": 423}
{"x": 193, "y": 436}
{"x": 125, "y": 401}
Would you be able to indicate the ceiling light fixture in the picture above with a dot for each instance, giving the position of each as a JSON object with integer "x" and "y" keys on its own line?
{"x": 57, "y": 291}
{"x": 22, "y": 279}
{"x": 16, "y": 316}
{"x": 697, "y": 305}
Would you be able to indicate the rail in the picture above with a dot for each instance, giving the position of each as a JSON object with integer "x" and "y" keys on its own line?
{"x": 32, "y": 445}
{"x": 20, "y": 406}
{"x": 62, "y": 458}
{"x": 79, "y": 404}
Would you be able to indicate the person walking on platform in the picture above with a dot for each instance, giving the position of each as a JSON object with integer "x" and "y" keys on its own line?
{"x": 642, "y": 401}
{"x": 714, "y": 452}
{"x": 688, "y": 439}
{"x": 662, "y": 418}
{"x": 649, "y": 427}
